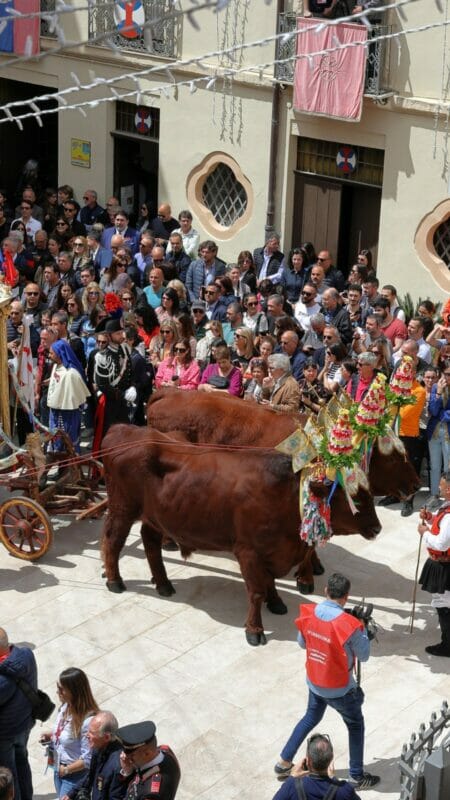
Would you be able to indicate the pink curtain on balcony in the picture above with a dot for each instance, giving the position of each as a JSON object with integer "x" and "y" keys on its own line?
{"x": 332, "y": 84}
{"x": 26, "y": 31}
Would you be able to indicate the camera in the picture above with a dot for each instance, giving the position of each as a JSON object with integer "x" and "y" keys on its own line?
{"x": 83, "y": 794}
{"x": 363, "y": 612}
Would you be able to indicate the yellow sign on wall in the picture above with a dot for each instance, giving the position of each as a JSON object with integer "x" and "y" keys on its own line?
{"x": 80, "y": 153}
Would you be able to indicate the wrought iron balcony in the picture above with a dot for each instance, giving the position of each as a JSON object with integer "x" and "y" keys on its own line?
{"x": 377, "y": 66}
{"x": 160, "y": 38}
{"x": 47, "y": 6}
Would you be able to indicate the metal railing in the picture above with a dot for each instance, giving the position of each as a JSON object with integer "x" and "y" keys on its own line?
{"x": 161, "y": 38}
{"x": 377, "y": 67}
{"x": 46, "y": 26}
{"x": 420, "y": 746}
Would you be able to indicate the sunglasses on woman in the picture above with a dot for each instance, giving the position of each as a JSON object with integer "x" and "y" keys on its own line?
{"x": 180, "y": 349}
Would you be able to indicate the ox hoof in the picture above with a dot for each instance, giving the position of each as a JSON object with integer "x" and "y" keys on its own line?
{"x": 166, "y": 589}
{"x": 169, "y": 545}
{"x": 255, "y": 639}
{"x": 318, "y": 569}
{"x": 276, "y": 606}
{"x": 305, "y": 588}
{"x": 116, "y": 586}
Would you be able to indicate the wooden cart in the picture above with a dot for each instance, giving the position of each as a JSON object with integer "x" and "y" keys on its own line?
{"x": 71, "y": 486}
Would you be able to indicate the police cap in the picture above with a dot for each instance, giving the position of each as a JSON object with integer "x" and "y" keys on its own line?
{"x": 136, "y": 735}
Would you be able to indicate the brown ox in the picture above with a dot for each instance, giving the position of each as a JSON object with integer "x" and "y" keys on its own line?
{"x": 211, "y": 498}
{"x": 223, "y": 419}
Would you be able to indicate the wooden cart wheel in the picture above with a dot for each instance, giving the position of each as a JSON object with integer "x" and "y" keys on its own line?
{"x": 25, "y": 528}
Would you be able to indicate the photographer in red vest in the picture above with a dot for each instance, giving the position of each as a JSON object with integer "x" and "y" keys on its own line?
{"x": 333, "y": 640}
{"x": 435, "y": 576}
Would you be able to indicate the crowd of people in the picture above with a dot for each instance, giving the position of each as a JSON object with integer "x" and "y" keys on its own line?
{"x": 152, "y": 306}
{"x": 114, "y": 311}
{"x": 91, "y": 757}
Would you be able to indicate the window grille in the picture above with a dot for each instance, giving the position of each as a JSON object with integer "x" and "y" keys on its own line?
{"x": 224, "y": 196}
{"x": 160, "y": 38}
{"x": 441, "y": 241}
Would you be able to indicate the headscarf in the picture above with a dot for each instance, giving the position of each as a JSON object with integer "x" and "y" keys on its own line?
{"x": 68, "y": 358}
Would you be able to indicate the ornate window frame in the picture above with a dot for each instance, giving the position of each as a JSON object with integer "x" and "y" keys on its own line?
{"x": 423, "y": 242}
{"x": 194, "y": 191}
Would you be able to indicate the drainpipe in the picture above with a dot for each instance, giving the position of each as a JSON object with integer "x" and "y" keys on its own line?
{"x": 274, "y": 136}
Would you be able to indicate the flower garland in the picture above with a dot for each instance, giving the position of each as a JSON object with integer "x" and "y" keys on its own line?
{"x": 400, "y": 400}
{"x": 375, "y": 429}
{"x": 336, "y": 447}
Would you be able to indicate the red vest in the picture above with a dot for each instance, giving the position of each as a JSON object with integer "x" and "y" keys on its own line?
{"x": 326, "y": 659}
{"x": 438, "y": 555}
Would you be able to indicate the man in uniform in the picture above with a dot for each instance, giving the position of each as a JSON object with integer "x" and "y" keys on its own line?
{"x": 104, "y": 780}
{"x": 435, "y": 577}
{"x": 113, "y": 379}
{"x": 153, "y": 771}
{"x": 333, "y": 641}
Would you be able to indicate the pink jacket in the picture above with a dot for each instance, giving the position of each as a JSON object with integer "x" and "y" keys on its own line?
{"x": 189, "y": 376}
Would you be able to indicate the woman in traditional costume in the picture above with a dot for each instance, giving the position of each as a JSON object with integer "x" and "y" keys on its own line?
{"x": 67, "y": 392}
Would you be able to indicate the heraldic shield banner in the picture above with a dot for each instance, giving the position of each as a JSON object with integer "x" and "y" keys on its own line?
{"x": 331, "y": 84}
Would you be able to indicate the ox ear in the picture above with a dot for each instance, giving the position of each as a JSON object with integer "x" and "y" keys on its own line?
{"x": 319, "y": 488}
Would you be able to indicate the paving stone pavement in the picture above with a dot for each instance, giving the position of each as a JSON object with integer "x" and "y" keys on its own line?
{"x": 224, "y": 707}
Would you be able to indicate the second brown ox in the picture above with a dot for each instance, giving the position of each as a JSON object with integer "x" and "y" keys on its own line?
{"x": 213, "y": 499}
{"x": 223, "y": 419}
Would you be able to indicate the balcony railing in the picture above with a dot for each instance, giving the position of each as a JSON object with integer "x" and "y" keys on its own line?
{"x": 46, "y": 27}
{"x": 377, "y": 66}
{"x": 160, "y": 38}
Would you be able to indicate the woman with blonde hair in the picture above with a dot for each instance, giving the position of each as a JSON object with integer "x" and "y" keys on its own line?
{"x": 180, "y": 290}
{"x": 213, "y": 330}
{"x": 81, "y": 257}
{"x": 161, "y": 346}
{"x": 92, "y": 296}
{"x": 243, "y": 348}
{"x": 69, "y": 739}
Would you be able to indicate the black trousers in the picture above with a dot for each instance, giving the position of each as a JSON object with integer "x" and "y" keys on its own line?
{"x": 414, "y": 449}
{"x": 444, "y": 623}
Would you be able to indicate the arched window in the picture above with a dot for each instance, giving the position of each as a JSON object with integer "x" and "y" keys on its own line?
{"x": 220, "y": 195}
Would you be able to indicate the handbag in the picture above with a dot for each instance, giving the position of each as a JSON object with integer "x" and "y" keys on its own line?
{"x": 42, "y": 706}
{"x": 218, "y": 381}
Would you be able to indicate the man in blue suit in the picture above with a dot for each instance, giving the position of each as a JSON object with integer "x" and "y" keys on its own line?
{"x": 120, "y": 227}
{"x": 204, "y": 270}
{"x": 100, "y": 255}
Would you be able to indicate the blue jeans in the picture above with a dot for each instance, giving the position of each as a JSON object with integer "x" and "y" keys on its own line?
{"x": 64, "y": 785}
{"x": 439, "y": 457}
{"x": 14, "y": 755}
{"x": 349, "y": 707}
